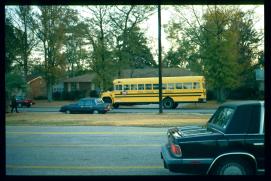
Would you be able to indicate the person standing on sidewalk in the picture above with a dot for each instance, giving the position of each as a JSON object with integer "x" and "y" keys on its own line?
{"x": 14, "y": 104}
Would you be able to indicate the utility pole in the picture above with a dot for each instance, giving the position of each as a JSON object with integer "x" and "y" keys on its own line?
{"x": 160, "y": 58}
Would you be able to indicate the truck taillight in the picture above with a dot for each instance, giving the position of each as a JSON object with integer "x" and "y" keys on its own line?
{"x": 176, "y": 150}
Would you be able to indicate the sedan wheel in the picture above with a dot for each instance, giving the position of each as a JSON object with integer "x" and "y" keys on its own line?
{"x": 234, "y": 168}
{"x": 95, "y": 112}
{"x": 68, "y": 112}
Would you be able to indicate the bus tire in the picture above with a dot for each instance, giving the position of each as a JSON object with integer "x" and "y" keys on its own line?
{"x": 116, "y": 106}
{"x": 168, "y": 103}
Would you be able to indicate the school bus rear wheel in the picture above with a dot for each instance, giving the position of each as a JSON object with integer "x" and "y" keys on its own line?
{"x": 168, "y": 103}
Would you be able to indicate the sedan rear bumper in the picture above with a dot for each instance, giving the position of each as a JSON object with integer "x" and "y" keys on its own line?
{"x": 184, "y": 165}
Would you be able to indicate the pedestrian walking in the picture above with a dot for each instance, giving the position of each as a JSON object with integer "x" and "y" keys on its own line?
{"x": 14, "y": 104}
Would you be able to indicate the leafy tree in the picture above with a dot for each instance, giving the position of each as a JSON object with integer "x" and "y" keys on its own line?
{"x": 14, "y": 82}
{"x": 99, "y": 36}
{"x": 27, "y": 37}
{"x": 139, "y": 54}
{"x": 124, "y": 23}
{"x": 221, "y": 45}
{"x": 260, "y": 58}
{"x": 21, "y": 18}
{"x": 76, "y": 54}
{"x": 220, "y": 52}
{"x": 52, "y": 26}
{"x": 12, "y": 50}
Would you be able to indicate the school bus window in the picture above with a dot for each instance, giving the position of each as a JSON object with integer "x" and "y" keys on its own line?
{"x": 155, "y": 86}
{"x": 118, "y": 87}
{"x": 148, "y": 86}
{"x": 164, "y": 86}
{"x": 187, "y": 85}
{"x": 140, "y": 86}
{"x": 133, "y": 86}
{"x": 126, "y": 87}
{"x": 179, "y": 86}
{"x": 196, "y": 85}
{"x": 170, "y": 86}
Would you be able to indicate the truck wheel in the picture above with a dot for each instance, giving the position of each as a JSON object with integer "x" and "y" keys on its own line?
{"x": 168, "y": 103}
{"x": 232, "y": 167}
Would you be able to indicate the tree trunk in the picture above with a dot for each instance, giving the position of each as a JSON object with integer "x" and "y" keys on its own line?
{"x": 220, "y": 95}
{"x": 49, "y": 90}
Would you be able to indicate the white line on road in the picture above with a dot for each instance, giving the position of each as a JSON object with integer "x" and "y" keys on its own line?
{"x": 86, "y": 133}
{"x": 83, "y": 145}
{"x": 81, "y": 167}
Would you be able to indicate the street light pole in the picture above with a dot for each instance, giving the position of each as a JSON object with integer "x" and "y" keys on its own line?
{"x": 160, "y": 58}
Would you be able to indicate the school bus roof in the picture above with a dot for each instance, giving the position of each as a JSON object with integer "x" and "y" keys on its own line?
{"x": 156, "y": 80}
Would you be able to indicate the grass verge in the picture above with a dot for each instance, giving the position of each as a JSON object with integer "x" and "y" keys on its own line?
{"x": 146, "y": 120}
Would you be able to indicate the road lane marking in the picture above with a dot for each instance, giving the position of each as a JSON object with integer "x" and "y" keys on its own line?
{"x": 85, "y": 133}
{"x": 81, "y": 167}
{"x": 83, "y": 145}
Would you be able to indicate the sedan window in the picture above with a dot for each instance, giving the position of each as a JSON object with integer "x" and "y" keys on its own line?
{"x": 99, "y": 101}
{"x": 81, "y": 103}
{"x": 89, "y": 103}
{"x": 222, "y": 117}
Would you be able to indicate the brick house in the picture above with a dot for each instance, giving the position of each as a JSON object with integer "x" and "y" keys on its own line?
{"x": 84, "y": 83}
{"x": 37, "y": 88}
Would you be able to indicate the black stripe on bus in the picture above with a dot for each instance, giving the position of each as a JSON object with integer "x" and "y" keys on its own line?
{"x": 163, "y": 93}
{"x": 123, "y": 96}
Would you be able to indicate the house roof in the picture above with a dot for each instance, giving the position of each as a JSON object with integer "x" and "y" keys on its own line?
{"x": 33, "y": 79}
{"x": 153, "y": 72}
{"x": 129, "y": 73}
{"x": 82, "y": 78}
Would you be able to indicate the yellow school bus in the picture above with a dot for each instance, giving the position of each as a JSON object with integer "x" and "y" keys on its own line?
{"x": 185, "y": 89}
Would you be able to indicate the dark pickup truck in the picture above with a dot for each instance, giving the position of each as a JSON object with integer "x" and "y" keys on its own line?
{"x": 231, "y": 143}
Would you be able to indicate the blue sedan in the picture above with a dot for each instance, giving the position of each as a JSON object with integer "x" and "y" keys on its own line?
{"x": 87, "y": 105}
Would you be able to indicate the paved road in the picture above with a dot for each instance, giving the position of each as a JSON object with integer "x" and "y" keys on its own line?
{"x": 84, "y": 150}
{"x": 129, "y": 109}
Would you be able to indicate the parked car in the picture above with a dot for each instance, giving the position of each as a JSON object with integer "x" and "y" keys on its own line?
{"x": 87, "y": 105}
{"x": 231, "y": 143}
{"x": 24, "y": 102}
